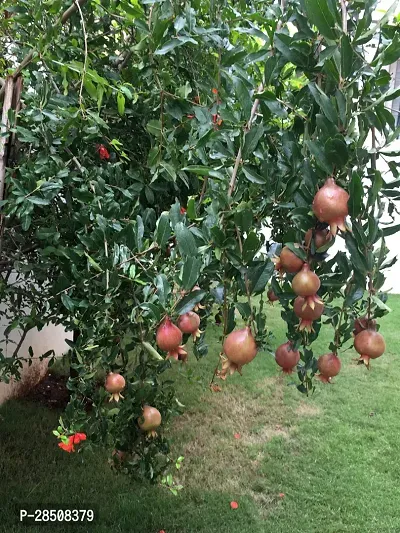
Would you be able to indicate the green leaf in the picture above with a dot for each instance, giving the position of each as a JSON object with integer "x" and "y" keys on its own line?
{"x": 169, "y": 169}
{"x": 67, "y": 301}
{"x": 258, "y": 276}
{"x": 121, "y": 104}
{"x": 392, "y": 53}
{"x": 191, "y": 209}
{"x": 250, "y": 247}
{"x": 204, "y": 171}
{"x": 391, "y": 230}
{"x": 191, "y": 272}
{"x": 172, "y": 44}
{"x": 153, "y": 309}
{"x": 253, "y": 176}
{"x": 356, "y": 195}
{"x": 152, "y": 351}
{"x": 243, "y": 96}
{"x": 300, "y": 252}
{"x": 346, "y": 57}
{"x": 324, "y": 103}
{"x": 163, "y": 232}
{"x": 318, "y": 152}
{"x": 163, "y": 288}
{"x": 37, "y": 200}
{"x": 323, "y": 16}
{"x": 185, "y": 240}
{"x": 336, "y": 152}
{"x": 357, "y": 258}
{"x": 189, "y": 301}
{"x": 355, "y": 294}
{"x": 244, "y": 309}
{"x": 95, "y": 265}
{"x": 154, "y": 127}
{"x": 251, "y": 140}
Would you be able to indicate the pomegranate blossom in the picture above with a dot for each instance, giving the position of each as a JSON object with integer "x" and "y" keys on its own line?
{"x": 330, "y": 206}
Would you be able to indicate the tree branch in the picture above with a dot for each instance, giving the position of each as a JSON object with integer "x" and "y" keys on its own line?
{"x": 8, "y": 94}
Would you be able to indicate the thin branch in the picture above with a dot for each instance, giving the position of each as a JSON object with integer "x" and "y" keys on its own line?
{"x": 8, "y": 95}
{"x": 71, "y": 10}
{"x": 21, "y": 340}
{"x": 86, "y": 51}
{"x": 232, "y": 182}
{"x": 344, "y": 15}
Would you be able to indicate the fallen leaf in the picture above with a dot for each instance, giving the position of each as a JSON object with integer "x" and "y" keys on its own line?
{"x": 215, "y": 388}
{"x": 234, "y": 505}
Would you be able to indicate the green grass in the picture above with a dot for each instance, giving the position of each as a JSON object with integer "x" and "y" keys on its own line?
{"x": 335, "y": 455}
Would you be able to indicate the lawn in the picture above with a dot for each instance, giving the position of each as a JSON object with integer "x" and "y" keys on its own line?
{"x": 328, "y": 463}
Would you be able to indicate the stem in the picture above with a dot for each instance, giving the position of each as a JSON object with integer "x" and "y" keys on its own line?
{"x": 78, "y": 7}
{"x": 21, "y": 340}
{"x": 344, "y": 15}
{"x": 8, "y": 94}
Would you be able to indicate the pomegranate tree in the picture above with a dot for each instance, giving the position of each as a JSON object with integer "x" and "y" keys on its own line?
{"x": 330, "y": 205}
{"x": 286, "y": 357}
{"x": 370, "y": 344}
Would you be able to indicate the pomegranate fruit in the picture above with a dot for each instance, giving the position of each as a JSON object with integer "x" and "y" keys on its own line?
{"x": 306, "y": 284}
{"x": 369, "y": 344}
{"x": 168, "y": 336}
{"x": 239, "y": 348}
{"x": 328, "y": 366}
{"x": 114, "y": 384}
{"x": 320, "y": 236}
{"x": 272, "y": 297}
{"x": 289, "y": 261}
{"x": 189, "y": 323}
{"x": 286, "y": 357}
{"x": 307, "y": 314}
{"x": 362, "y": 323}
{"x": 330, "y": 205}
{"x": 149, "y": 420}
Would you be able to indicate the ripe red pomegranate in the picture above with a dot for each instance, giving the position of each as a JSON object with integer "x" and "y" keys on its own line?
{"x": 329, "y": 366}
{"x": 286, "y": 357}
{"x": 240, "y": 348}
{"x": 307, "y": 314}
{"x": 369, "y": 344}
{"x": 189, "y": 323}
{"x": 306, "y": 284}
{"x": 168, "y": 336}
{"x": 149, "y": 420}
{"x": 272, "y": 297}
{"x": 320, "y": 236}
{"x": 289, "y": 261}
{"x": 330, "y": 205}
{"x": 114, "y": 384}
{"x": 362, "y": 323}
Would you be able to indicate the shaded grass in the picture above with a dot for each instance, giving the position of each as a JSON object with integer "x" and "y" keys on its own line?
{"x": 333, "y": 455}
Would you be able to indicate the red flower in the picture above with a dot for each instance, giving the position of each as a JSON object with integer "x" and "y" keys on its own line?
{"x": 68, "y": 447}
{"x": 102, "y": 151}
{"x": 215, "y": 91}
{"x": 78, "y": 437}
{"x": 190, "y": 116}
{"x": 281, "y": 495}
{"x": 214, "y": 118}
{"x": 234, "y": 505}
{"x": 237, "y": 435}
{"x": 183, "y": 210}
